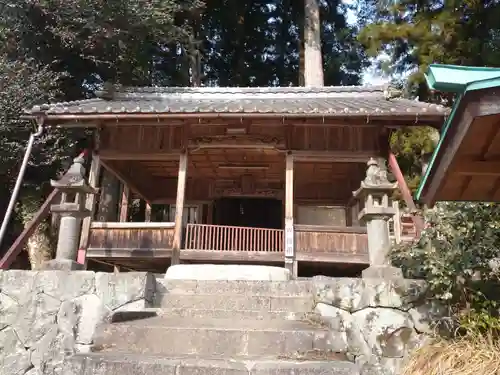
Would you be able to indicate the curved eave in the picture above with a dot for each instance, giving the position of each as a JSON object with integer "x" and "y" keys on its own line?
{"x": 406, "y": 118}
{"x": 436, "y": 155}
{"x": 460, "y": 80}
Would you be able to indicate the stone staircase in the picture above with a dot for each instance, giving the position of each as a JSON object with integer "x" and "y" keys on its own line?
{"x": 216, "y": 328}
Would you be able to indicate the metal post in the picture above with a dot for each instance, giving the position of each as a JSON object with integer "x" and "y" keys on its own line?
{"x": 20, "y": 176}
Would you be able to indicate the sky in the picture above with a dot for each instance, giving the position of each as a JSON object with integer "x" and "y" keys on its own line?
{"x": 370, "y": 75}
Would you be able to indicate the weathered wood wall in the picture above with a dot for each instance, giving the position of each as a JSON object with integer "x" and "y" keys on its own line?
{"x": 350, "y": 243}
{"x": 131, "y": 236}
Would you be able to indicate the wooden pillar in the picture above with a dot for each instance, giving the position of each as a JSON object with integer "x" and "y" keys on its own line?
{"x": 124, "y": 203}
{"x": 179, "y": 208}
{"x": 290, "y": 258}
{"x": 210, "y": 213}
{"x": 397, "y": 222}
{"x": 108, "y": 197}
{"x": 147, "y": 213}
{"x": 94, "y": 173}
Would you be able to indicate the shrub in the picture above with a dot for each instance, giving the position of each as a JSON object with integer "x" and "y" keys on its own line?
{"x": 459, "y": 256}
{"x": 470, "y": 354}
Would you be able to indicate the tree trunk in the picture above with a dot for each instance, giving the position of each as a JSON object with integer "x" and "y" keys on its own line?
{"x": 108, "y": 199}
{"x": 313, "y": 62}
{"x": 302, "y": 57}
{"x": 42, "y": 243}
{"x": 40, "y": 246}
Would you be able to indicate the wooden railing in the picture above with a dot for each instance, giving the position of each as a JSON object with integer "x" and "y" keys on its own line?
{"x": 130, "y": 237}
{"x": 349, "y": 243}
{"x": 229, "y": 238}
{"x": 42, "y": 214}
{"x": 402, "y": 226}
{"x": 29, "y": 229}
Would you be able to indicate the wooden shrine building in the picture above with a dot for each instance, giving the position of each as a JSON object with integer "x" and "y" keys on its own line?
{"x": 466, "y": 163}
{"x": 225, "y": 174}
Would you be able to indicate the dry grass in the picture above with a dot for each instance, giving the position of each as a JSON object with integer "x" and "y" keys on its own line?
{"x": 478, "y": 355}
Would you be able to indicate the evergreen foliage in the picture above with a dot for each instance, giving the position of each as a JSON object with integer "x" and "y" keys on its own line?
{"x": 66, "y": 49}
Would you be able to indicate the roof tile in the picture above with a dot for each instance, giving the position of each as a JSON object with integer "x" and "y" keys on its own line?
{"x": 341, "y": 101}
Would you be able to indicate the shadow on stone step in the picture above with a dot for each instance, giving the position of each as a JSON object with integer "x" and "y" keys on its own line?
{"x": 125, "y": 316}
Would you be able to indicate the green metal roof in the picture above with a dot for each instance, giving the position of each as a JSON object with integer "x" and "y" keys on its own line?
{"x": 459, "y": 80}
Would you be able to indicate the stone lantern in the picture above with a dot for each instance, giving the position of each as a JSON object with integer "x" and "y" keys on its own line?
{"x": 375, "y": 191}
{"x": 72, "y": 184}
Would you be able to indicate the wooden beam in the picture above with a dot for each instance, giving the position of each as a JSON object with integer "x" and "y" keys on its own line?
{"x": 90, "y": 203}
{"x": 464, "y": 115}
{"x": 330, "y": 229}
{"x": 332, "y": 156}
{"x": 179, "y": 208}
{"x": 138, "y": 225}
{"x": 117, "y": 155}
{"x": 29, "y": 229}
{"x": 113, "y": 265}
{"x": 231, "y": 256}
{"x": 124, "y": 180}
{"x": 418, "y": 220}
{"x": 135, "y": 254}
{"x": 477, "y": 168}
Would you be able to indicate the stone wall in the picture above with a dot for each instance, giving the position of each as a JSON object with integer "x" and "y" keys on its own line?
{"x": 377, "y": 324}
{"x": 48, "y": 315}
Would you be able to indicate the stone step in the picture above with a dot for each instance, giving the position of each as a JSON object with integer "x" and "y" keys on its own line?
{"x": 235, "y": 302}
{"x": 130, "y": 364}
{"x": 291, "y": 288}
{"x": 235, "y": 314}
{"x": 169, "y": 336}
{"x": 121, "y": 316}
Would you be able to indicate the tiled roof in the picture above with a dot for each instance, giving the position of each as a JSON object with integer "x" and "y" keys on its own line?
{"x": 330, "y": 101}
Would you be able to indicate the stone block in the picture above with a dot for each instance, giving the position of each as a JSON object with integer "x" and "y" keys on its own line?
{"x": 81, "y": 316}
{"x": 426, "y": 317}
{"x": 14, "y": 358}
{"x": 344, "y": 293}
{"x": 291, "y": 288}
{"x": 35, "y": 318}
{"x": 62, "y": 265}
{"x": 352, "y": 294}
{"x": 387, "y": 332}
{"x": 281, "y": 367}
{"x": 336, "y": 319}
{"x": 212, "y": 338}
{"x": 19, "y": 285}
{"x": 337, "y": 342}
{"x": 226, "y": 272}
{"x": 117, "y": 290}
{"x": 65, "y": 285}
{"x": 206, "y": 366}
{"x": 382, "y": 272}
{"x": 49, "y": 352}
{"x": 9, "y": 310}
{"x": 343, "y": 327}
{"x": 107, "y": 364}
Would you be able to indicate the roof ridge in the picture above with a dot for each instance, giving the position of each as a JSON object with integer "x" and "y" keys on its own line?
{"x": 158, "y": 90}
